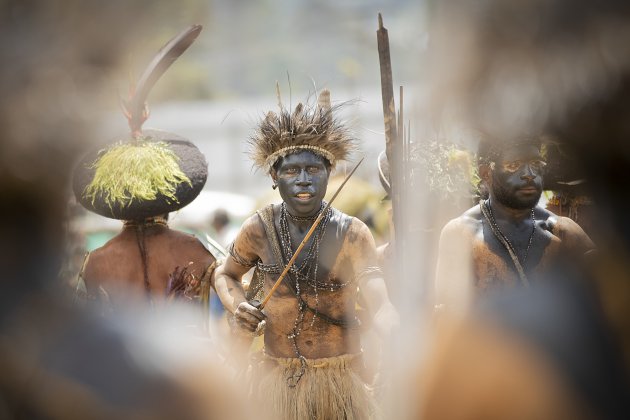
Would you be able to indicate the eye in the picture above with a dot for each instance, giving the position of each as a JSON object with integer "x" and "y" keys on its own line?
{"x": 537, "y": 164}
{"x": 513, "y": 166}
{"x": 313, "y": 169}
{"x": 291, "y": 171}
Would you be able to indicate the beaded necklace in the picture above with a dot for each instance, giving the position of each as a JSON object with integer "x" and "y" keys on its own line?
{"x": 303, "y": 274}
{"x": 486, "y": 210}
{"x": 274, "y": 233}
{"x": 303, "y": 219}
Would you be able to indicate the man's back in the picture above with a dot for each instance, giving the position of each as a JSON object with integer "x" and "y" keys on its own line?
{"x": 119, "y": 269}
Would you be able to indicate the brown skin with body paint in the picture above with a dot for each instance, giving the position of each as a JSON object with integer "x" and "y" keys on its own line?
{"x": 117, "y": 266}
{"x": 302, "y": 179}
{"x": 472, "y": 260}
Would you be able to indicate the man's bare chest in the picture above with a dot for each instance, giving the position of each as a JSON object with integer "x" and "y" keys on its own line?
{"x": 494, "y": 265}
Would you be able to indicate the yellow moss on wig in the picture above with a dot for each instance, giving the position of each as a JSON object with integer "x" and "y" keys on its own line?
{"x": 135, "y": 171}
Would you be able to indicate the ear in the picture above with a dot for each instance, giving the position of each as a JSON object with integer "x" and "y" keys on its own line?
{"x": 485, "y": 172}
{"x": 273, "y": 174}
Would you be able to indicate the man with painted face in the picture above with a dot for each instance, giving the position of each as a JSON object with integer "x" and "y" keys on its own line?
{"x": 312, "y": 354}
{"x": 507, "y": 239}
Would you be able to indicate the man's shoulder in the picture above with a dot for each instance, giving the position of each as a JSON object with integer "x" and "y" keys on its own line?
{"x": 354, "y": 225}
{"x": 254, "y": 226}
{"x": 565, "y": 229}
{"x": 183, "y": 241}
{"x": 113, "y": 248}
{"x": 179, "y": 236}
{"x": 554, "y": 223}
{"x": 255, "y": 221}
{"x": 466, "y": 222}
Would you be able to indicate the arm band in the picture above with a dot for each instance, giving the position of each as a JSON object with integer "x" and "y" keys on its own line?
{"x": 240, "y": 260}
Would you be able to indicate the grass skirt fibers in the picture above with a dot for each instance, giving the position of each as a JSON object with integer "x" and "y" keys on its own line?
{"x": 330, "y": 388}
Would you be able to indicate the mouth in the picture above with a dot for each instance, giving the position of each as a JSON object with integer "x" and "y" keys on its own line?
{"x": 529, "y": 190}
{"x": 304, "y": 196}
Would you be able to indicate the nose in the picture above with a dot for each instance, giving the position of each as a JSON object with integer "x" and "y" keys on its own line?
{"x": 528, "y": 173}
{"x": 303, "y": 179}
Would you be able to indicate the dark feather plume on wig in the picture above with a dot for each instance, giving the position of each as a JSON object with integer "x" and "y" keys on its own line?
{"x": 310, "y": 127}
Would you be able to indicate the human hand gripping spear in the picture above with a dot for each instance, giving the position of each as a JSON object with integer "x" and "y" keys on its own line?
{"x": 260, "y": 306}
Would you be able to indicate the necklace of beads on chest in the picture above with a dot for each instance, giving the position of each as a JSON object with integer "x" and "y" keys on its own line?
{"x": 504, "y": 240}
{"x": 495, "y": 225}
{"x": 304, "y": 273}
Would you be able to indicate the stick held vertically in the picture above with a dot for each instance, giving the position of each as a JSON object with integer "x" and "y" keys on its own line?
{"x": 387, "y": 88}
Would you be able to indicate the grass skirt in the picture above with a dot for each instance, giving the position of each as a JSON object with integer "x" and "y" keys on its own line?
{"x": 330, "y": 388}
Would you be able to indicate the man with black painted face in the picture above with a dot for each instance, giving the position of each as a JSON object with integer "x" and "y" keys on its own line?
{"x": 507, "y": 239}
{"x": 312, "y": 348}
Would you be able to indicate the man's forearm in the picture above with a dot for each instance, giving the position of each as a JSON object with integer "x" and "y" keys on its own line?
{"x": 230, "y": 291}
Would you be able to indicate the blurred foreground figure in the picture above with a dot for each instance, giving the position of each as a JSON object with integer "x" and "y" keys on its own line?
{"x": 507, "y": 239}
{"x": 559, "y": 67}
{"x": 312, "y": 361}
{"x": 58, "y": 362}
{"x": 538, "y": 353}
{"x": 140, "y": 179}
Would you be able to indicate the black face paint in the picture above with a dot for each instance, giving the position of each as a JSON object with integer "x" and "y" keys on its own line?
{"x": 302, "y": 181}
{"x": 517, "y": 177}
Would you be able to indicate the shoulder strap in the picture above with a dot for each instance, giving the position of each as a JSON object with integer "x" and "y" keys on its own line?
{"x": 266, "y": 215}
{"x": 255, "y": 288}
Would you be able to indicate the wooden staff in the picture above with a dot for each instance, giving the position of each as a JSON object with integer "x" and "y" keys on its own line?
{"x": 387, "y": 89}
{"x": 393, "y": 145}
{"x": 306, "y": 238}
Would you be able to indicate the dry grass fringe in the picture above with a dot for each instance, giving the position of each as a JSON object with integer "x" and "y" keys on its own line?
{"x": 329, "y": 389}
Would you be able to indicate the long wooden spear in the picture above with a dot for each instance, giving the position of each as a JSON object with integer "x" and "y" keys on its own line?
{"x": 305, "y": 240}
{"x": 393, "y": 146}
{"x": 387, "y": 89}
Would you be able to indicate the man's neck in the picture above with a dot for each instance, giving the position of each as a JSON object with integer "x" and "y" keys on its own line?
{"x": 304, "y": 220}
{"x": 147, "y": 222}
{"x": 509, "y": 214}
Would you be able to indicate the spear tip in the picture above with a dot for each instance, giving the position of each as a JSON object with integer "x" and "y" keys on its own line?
{"x": 380, "y": 21}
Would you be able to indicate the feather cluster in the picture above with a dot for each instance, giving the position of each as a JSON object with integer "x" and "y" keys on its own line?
{"x": 311, "y": 127}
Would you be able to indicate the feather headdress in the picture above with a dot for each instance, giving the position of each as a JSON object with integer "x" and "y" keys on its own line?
{"x": 311, "y": 127}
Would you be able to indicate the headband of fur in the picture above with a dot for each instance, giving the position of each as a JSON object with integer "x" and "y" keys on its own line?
{"x": 310, "y": 127}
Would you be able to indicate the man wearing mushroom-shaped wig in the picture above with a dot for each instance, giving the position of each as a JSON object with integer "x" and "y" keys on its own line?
{"x": 140, "y": 179}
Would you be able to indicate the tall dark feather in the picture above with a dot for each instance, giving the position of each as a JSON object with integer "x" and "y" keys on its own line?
{"x": 135, "y": 108}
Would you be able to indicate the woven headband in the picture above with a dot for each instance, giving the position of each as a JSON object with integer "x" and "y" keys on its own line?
{"x": 293, "y": 149}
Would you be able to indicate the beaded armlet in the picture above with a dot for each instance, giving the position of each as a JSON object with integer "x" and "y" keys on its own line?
{"x": 240, "y": 260}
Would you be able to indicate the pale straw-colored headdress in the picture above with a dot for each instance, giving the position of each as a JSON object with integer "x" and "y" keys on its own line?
{"x": 310, "y": 127}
